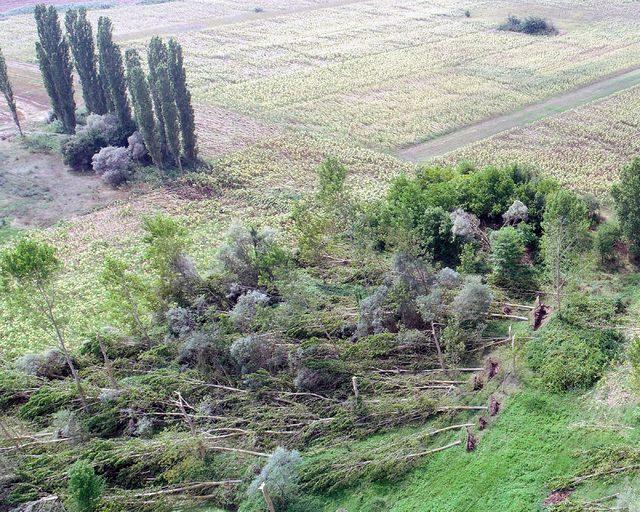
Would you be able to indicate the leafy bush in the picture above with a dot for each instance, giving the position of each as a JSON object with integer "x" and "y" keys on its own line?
{"x": 246, "y": 310}
{"x": 633, "y": 354}
{"x": 507, "y": 253}
{"x": 588, "y": 309}
{"x": 280, "y": 476}
{"x": 250, "y": 256}
{"x": 97, "y": 133}
{"x": 471, "y": 305}
{"x": 136, "y": 147}
{"x": 85, "y": 487}
{"x": 205, "y": 350}
{"x": 50, "y": 364}
{"x": 566, "y": 357}
{"x": 180, "y": 322}
{"x": 258, "y": 351}
{"x": 626, "y": 197}
{"x": 113, "y": 164}
{"x": 608, "y": 236}
{"x": 532, "y": 25}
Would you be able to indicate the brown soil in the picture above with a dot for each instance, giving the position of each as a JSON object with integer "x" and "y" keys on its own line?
{"x": 36, "y": 189}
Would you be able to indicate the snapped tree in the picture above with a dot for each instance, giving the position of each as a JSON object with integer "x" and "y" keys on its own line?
{"x": 7, "y": 91}
{"x": 52, "y": 51}
{"x": 80, "y": 36}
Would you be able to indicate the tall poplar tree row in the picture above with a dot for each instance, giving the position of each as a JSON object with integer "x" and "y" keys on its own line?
{"x": 143, "y": 106}
{"x": 183, "y": 101}
{"x": 80, "y": 36}
{"x": 112, "y": 67}
{"x": 7, "y": 91}
{"x": 155, "y": 55}
{"x": 52, "y": 51}
{"x": 159, "y": 78}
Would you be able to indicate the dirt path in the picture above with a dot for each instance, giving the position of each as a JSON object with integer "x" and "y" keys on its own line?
{"x": 530, "y": 114}
{"x": 229, "y": 20}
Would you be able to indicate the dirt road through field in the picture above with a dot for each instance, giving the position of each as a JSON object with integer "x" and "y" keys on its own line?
{"x": 527, "y": 115}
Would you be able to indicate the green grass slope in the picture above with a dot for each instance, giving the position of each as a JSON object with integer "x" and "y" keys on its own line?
{"x": 537, "y": 440}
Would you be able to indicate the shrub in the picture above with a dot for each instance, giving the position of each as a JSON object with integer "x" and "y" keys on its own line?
{"x": 567, "y": 357}
{"x": 136, "y": 147}
{"x": 251, "y": 256}
{"x": 532, "y": 25}
{"x": 587, "y": 309}
{"x": 97, "y": 133}
{"x": 85, "y": 487}
{"x": 473, "y": 261}
{"x": 471, "y": 305}
{"x": 180, "y": 322}
{"x": 244, "y": 313}
{"x": 205, "y": 350}
{"x": 113, "y": 164}
{"x": 608, "y": 236}
{"x": 507, "y": 252}
{"x": 376, "y": 313}
{"x": 256, "y": 352}
{"x": 280, "y": 476}
{"x": 50, "y": 364}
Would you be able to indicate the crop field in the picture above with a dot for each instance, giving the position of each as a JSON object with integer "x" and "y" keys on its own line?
{"x": 277, "y": 91}
{"x": 382, "y": 74}
{"x": 584, "y": 148}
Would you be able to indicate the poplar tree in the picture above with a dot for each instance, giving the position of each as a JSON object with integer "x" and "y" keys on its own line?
{"x": 169, "y": 114}
{"x": 7, "y": 90}
{"x": 113, "y": 69}
{"x": 156, "y": 54}
{"x": 80, "y": 36}
{"x": 142, "y": 106}
{"x": 183, "y": 100}
{"x": 52, "y": 51}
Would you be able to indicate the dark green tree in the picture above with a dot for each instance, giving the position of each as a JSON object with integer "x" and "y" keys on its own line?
{"x": 183, "y": 101}
{"x": 157, "y": 54}
{"x": 626, "y": 197}
{"x": 85, "y": 487}
{"x": 169, "y": 113}
{"x": 507, "y": 253}
{"x": 7, "y": 91}
{"x": 143, "y": 106}
{"x": 83, "y": 48}
{"x": 52, "y": 51}
{"x": 113, "y": 69}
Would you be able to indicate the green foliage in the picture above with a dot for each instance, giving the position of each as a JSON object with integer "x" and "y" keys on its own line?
{"x": 143, "y": 106}
{"x": 128, "y": 295}
{"x": 532, "y": 25}
{"x": 28, "y": 264}
{"x": 567, "y": 357}
{"x": 52, "y": 51}
{"x": 472, "y": 260}
{"x": 78, "y": 150}
{"x": 589, "y": 309}
{"x": 46, "y": 400}
{"x": 607, "y": 240}
{"x": 112, "y": 72}
{"x": 80, "y": 36}
{"x": 280, "y": 476}
{"x": 182, "y": 96}
{"x": 565, "y": 225}
{"x": 12, "y": 386}
{"x": 85, "y": 487}
{"x": 416, "y": 211}
{"x": 326, "y": 223}
{"x": 507, "y": 253}
{"x": 626, "y": 197}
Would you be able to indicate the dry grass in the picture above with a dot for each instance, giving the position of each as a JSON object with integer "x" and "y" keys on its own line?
{"x": 583, "y": 148}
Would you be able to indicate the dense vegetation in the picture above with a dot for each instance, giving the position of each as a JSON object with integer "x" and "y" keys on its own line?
{"x": 284, "y": 374}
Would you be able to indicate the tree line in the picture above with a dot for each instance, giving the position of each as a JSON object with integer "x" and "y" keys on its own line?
{"x": 157, "y": 103}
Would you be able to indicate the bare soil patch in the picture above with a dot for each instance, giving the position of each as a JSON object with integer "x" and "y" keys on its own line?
{"x": 36, "y": 189}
